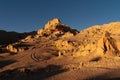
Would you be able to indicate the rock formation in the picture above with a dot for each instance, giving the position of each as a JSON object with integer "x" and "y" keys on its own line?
{"x": 55, "y": 27}
{"x": 52, "y": 24}
{"x": 64, "y": 45}
{"x": 12, "y": 49}
{"x": 107, "y": 45}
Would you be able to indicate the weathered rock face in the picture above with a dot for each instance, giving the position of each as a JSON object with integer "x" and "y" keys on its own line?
{"x": 55, "y": 27}
{"x": 52, "y": 24}
{"x": 49, "y": 27}
{"x": 84, "y": 50}
{"x": 107, "y": 45}
{"x": 65, "y": 46}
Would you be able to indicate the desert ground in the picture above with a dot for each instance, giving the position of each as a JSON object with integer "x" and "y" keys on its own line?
{"x": 58, "y": 52}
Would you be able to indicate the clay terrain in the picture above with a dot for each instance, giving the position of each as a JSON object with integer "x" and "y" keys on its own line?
{"x": 58, "y": 52}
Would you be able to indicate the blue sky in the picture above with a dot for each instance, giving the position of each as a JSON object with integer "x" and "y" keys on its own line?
{"x": 30, "y": 15}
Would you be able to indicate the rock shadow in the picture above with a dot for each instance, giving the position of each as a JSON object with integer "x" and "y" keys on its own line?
{"x": 27, "y": 74}
{"x": 6, "y": 62}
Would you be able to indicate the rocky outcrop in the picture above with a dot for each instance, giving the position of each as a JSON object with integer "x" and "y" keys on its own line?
{"x": 107, "y": 45}
{"x": 13, "y": 49}
{"x": 16, "y": 47}
{"x": 65, "y": 46}
{"x": 52, "y": 24}
{"x": 55, "y": 27}
{"x": 85, "y": 49}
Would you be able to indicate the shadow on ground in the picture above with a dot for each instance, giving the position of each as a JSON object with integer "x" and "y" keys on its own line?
{"x": 27, "y": 74}
{"x": 6, "y": 62}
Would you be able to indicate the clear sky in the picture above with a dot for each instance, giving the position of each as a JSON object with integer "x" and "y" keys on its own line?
{"x": 29, "y": 15}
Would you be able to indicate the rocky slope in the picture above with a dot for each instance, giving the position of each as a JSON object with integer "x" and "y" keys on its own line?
{"x": 58, "y": 52}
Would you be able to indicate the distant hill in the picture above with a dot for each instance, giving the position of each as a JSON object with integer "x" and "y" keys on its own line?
{"x": 11, "y": 37}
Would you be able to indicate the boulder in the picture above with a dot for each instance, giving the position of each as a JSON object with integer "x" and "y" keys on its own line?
{"x": 13, "y": 49}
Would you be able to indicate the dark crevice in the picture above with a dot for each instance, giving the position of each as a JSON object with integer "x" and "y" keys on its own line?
{"x": 105, "y": 47}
